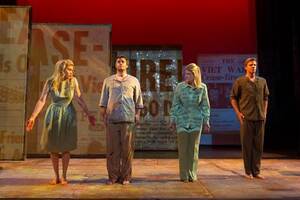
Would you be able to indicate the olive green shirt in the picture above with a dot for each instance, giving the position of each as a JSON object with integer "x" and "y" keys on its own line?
{"x": 250, "y": 97}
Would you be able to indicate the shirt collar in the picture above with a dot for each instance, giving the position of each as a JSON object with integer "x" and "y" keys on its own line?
{"x": 185, "y": 85}
{"x": 124, "y": 79}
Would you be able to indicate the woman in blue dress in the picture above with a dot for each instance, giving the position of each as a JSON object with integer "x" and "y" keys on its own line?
{"x": 60, "y": 124}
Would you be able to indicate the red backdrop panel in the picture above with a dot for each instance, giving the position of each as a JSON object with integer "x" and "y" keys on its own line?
{"x": 200, "y": 26}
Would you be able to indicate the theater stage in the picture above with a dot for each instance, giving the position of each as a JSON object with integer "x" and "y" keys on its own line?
{"x": 153, "y": 178}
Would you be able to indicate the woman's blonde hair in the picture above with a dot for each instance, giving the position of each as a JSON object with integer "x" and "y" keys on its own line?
{"x": 59, "y": 72}
{"x": 195, "y": 70}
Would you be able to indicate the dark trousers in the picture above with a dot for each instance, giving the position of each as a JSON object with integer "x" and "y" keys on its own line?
{"x": 120, "y": 149}
{"x": 252, "y": 139}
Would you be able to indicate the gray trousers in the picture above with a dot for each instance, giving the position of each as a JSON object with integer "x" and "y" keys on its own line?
{"x": 119, "y": 151}
{"x": 252, "y": 139}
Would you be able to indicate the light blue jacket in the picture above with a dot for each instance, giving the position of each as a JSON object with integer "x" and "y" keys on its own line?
{"x": 190, "y": 108}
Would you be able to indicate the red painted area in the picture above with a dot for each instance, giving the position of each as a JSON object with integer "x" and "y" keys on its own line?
{"x": 199, "y": 26}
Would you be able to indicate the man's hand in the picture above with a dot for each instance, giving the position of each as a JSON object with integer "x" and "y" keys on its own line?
{"x": 241, "y": 117}
{"x": 137, "y": 118}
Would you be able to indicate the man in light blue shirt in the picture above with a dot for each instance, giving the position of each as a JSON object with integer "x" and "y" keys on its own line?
{"x": 120, "y": 104}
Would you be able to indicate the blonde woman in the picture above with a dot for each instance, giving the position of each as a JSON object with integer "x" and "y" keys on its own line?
{"x": 60, "y": 125}
{"x": 190, "y": 113}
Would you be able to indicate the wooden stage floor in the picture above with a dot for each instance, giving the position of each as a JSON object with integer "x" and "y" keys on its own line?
{"x": 153, "y": 178}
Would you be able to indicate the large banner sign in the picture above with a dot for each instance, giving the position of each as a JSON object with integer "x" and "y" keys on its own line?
{"x": 14, "y": 40}
{"x": 219, "y": 73}
{"x": 159, "y": 71}
{"x": 89, "y": 47}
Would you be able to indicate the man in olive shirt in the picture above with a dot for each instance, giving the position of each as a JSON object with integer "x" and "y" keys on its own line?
{"x": 120, "y": 106}
{"x": 249, "y": 99}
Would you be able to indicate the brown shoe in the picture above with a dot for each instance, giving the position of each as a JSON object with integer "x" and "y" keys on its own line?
{"x": 258, "y": 176}
{"x": 248, "y": 176}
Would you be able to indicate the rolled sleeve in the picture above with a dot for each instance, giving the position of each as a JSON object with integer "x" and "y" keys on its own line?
{"x": 138, "y": 96}
{"x": 175, "y": 105}
{"x": 234, "y": 91}
{"x": 205, "y": 106}
{"x": 266, "y": 92}
{"x": 104, "y": 95}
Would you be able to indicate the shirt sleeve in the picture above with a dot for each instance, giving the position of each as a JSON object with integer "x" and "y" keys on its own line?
{"x": 138, "y": 96}
{"x": 205, "y": 106}
{"x": 104, "y": 94}
{"x": 266, "y": 92}
{"x": 175, "y": 105}
{"x": 234, "y": 94}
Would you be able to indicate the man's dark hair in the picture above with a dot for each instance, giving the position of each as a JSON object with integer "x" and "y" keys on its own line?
{"x": 249, "y": 60}
{"x": 122, "y": 56}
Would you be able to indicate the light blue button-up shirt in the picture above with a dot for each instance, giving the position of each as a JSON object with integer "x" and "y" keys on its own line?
{"x": 121, "y": 98}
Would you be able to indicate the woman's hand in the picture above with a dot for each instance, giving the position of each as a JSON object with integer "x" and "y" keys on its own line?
{"x": 206, "y": 128}
{"x": 92, "y": 120}
{"x": 30, "y": 123}
{"x": 172, "y": 126}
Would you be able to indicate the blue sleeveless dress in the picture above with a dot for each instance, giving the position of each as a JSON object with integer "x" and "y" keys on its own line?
{"x": 60, "y": 123}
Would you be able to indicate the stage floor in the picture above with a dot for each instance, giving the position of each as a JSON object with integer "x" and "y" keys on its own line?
{"x": 220, "y": 178}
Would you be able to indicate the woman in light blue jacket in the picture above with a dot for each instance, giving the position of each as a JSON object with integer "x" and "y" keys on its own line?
{"x": 189, "y": 115}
